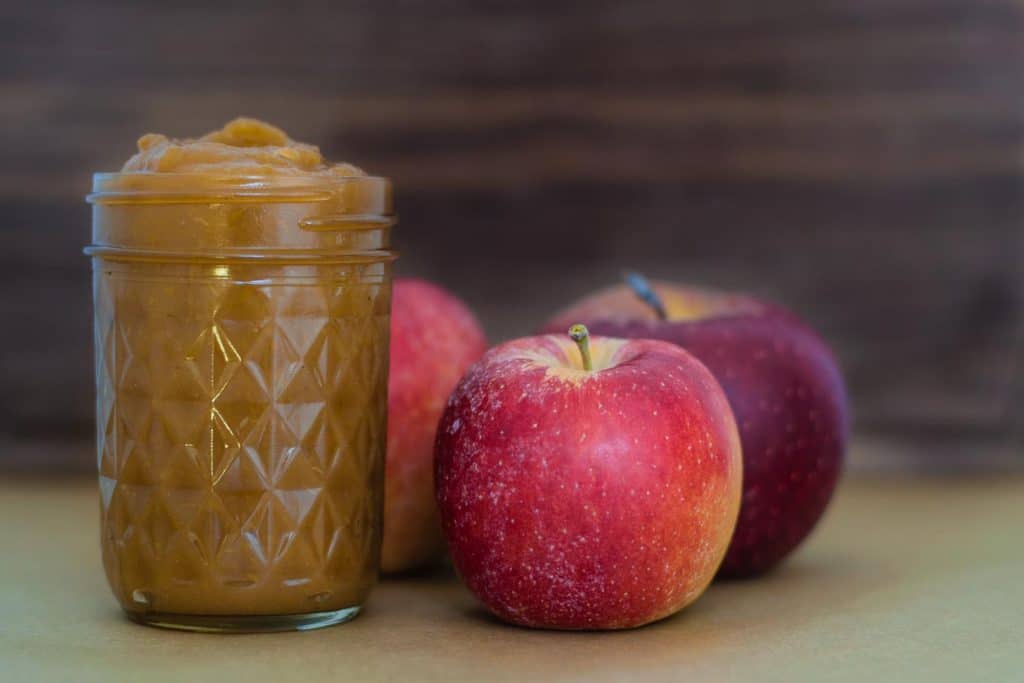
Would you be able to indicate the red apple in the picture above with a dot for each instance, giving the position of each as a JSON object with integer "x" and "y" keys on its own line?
{"x": 434, "y": 338}
{"x": 578, "y": 495}
{"x": 784, "y": 387}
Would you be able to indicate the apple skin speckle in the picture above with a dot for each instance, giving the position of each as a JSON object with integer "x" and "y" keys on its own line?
{"x": 587, "y": 500}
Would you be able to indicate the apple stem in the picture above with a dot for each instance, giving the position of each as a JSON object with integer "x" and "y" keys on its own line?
{"x": 643, "y": 290}
{"x": 579, "y": 334}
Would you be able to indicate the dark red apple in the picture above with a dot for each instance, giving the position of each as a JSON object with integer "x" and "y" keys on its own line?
{"x": 587, "y": 494}
{"x": 434, "y": 338}
{"x": 785, "y": 389}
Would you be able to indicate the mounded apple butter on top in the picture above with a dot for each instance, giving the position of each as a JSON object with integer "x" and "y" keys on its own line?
{"x": 242, "y": 296}
{"x": 243, "y": 147}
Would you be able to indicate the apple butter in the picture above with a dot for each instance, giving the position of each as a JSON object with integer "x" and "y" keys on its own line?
{"x": 242, "y": 291}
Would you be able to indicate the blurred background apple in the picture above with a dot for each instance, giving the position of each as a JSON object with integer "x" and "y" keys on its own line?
{"x": 783, "y": 385}
{"x": 434, "y": 338}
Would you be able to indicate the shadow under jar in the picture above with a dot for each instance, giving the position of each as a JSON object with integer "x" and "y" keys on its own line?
{"x": 241, "y": 331}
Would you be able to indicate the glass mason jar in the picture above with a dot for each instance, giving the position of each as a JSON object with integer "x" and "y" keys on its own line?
{"x": 241, "y": 330}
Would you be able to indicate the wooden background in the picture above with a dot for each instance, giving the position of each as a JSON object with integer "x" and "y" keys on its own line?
{"x": 860, "y": 160}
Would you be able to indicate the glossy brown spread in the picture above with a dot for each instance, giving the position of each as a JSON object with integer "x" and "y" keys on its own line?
{"x": 241, "y": 403}
{"x": 242, "y": 147}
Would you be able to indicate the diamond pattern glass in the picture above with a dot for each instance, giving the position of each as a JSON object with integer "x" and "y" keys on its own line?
{"x": 241, "y": 424}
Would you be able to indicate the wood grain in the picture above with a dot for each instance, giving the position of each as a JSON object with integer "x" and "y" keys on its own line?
{"x": 862, "y": 162}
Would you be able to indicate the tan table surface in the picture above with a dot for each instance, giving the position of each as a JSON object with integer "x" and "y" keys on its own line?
{"x": 902, "y": 581}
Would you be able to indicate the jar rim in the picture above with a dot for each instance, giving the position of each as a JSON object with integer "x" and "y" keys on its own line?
{"x": 243, "y": 256}
{"x": 146, "y": 187}
{"x": 291, "y": 217}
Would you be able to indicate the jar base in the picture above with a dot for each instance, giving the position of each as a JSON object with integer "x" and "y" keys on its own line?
{"x": 261, "y": 623}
